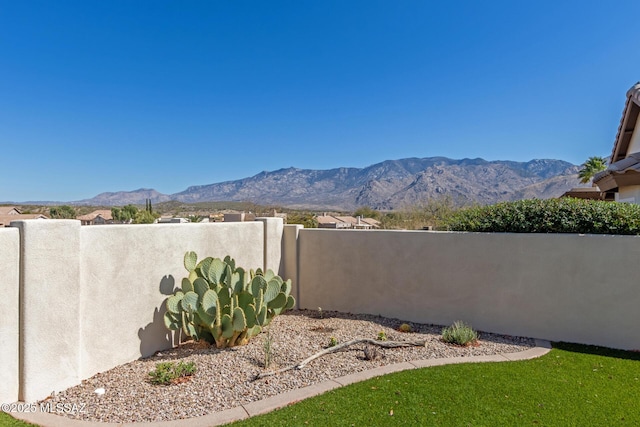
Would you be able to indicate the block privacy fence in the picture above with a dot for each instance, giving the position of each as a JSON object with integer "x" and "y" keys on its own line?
{"x": 81, "y": 300}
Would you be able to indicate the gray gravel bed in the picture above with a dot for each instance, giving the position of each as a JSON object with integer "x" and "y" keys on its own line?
{"x": 225, "y": 377}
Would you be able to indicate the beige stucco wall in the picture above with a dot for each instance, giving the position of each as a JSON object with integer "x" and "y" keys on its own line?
{"x": 92, "y": 297}
{"x": 290, "y": 256}
{"x": 628, "y": 194}
{"x": 576, "y": 288}
{"x": 9, "y": 314}
{"x": 272, "y": 243}
{"x": 634, "y": 143}
{"x": 128, "y": 271}
{"x": 49, "y": 300}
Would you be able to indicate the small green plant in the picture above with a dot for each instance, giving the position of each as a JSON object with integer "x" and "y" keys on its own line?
{"x": 405, "y": 327}
{"x": 267, "y": 346}
{"x": 460, "y": 334}
{"x": 168, "y": 372}
{"x": 382, "y": 336}
{"x": 320, "y": 312}
{"x": 185, "y": 369}
{"x": 333, "y": 342}
{"x": 163, "y": 374}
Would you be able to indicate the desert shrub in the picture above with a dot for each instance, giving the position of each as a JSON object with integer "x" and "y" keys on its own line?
{"x": 405, "y": 327}
{"x": 167, "y": 372}
{"x": 62, "y": 212}
{"x": 267, "y": 347}
{"x": 307, "y": 219}
{"x": 566, "y": 215}
{"x": 432, "y": 212}
{"x": 459, "y": 333}
{"x": 367, "y": 212}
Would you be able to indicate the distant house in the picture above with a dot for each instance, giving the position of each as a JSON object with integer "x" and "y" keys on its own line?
{"x": 9, "y": 210}
{"x": 592, "y": 193}
{"x": 99, "y": 217}
{"x": 233, "y": 216}
{"x": 360, "y": 223}
{"x": 329, "y": 221}
{"x": 12, "y": 213}
{"x": 622, "y": 177}
{"x": 171, "y": 220}
{"x": 346, "y": 222}
{"x": 237, "y": 216}
{"x": 374, "y": 223}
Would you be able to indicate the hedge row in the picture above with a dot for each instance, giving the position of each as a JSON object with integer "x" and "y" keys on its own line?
{"x": 566, "y": 215}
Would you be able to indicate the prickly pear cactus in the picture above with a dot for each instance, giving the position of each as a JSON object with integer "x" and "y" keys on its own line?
{"x": 225, "y": 304}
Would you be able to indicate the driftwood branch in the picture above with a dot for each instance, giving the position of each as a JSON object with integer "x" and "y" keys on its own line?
{"x": 385, "y": 344}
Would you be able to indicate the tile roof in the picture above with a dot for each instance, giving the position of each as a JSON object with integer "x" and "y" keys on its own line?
{"x": 6, "y": 210}
{"x": 104, "y": 213}
{"x": 627, "y": 123}
{"x": 348, "y": 219}
{"x": 370, "y": 221}
{"x": 630, "y": 163}
{"x": 585, "y": 193}
{"x": 327, "y": 219}
{"x": 634, "y": 93}
{"x": 5, "y": 220}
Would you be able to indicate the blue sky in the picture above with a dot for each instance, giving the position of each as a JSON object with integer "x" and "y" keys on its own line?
{"x": 118, "y": 95}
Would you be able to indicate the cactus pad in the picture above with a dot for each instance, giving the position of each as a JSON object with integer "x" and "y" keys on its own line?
{"x": 225, "y": 304}
{"x": 190, "y": 260}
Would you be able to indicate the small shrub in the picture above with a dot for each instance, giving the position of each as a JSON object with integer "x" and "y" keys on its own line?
{"x": 307, "y": 219}
{"x": 163, "y": 374}
{"x": 430, "y": 212}
{"x": 168, "y": 372}
{"x": 372, "y": 353}
{"x": 382, "y": 336}
{"x": 183, "y": 369}
{"x": 459, "y": 333}
{"x": 267, "y": 345}
{"x": 333, "y": 342}
{"x": 405, "y": 327}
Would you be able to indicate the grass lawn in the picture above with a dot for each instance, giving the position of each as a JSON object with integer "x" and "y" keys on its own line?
{"x": 572, "y": 385}
{"x": 8, "y": 421}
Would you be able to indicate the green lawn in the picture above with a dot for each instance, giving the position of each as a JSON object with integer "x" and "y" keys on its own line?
{"x": 572, "y": 385}
{"x": 8, "y": 421}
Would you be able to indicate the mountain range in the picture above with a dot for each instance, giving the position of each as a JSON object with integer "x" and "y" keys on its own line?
{"x": 391, "y": 184}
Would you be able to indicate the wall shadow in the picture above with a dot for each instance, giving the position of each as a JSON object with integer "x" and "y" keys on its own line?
{"x": 167, "y": 285}
{"x": 155, "y": 336}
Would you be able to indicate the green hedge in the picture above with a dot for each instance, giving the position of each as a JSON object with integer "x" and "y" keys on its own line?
{"x": 566, "y": 215}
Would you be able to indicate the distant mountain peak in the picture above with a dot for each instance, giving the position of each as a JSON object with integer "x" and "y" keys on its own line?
{"x": 390, "y": 184}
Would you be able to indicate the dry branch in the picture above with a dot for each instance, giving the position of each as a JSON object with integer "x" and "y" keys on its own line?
{"x": 385, "y": 344}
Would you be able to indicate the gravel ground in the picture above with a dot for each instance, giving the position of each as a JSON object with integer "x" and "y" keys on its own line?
{"x": 225, "y": 378}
